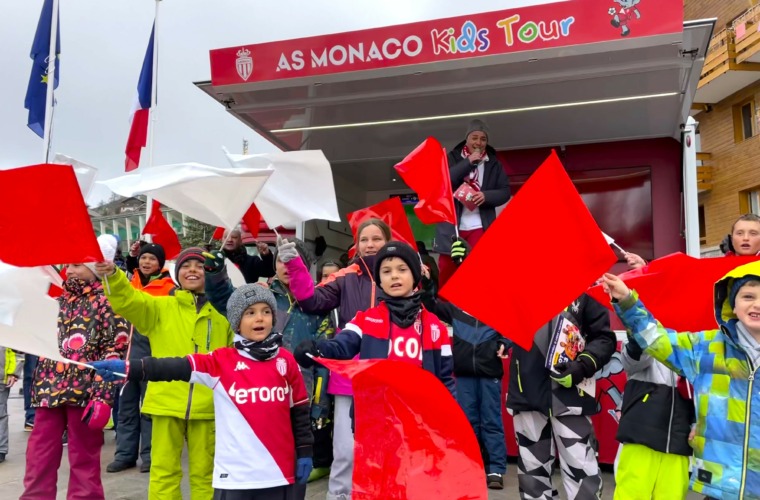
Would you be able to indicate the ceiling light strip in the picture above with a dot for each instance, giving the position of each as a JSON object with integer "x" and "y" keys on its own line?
{"x": 477, "y": 114}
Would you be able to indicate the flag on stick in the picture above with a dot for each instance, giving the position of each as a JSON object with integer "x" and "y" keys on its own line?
{"x": 426, "y": 171}
{"x": 138, "y": 133}
{"x": 48, "y": 195}
{"x": 36, "y": 91}
{"x": 390, "y": 211}
{"x": 518, "y": 291}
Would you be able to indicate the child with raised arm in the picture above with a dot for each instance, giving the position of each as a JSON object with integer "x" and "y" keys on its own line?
{"x": 721, "y": 364}
{"x": 263, "y": 434}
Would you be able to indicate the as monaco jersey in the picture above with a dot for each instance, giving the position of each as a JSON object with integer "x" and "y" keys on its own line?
{"x": 405, "y": 344}
{"x": 255, "y": 447}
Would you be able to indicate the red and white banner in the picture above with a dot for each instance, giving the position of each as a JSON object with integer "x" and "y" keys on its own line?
{"x": 559, "y": 24}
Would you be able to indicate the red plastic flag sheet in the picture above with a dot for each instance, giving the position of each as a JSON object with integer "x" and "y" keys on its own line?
{"x": 163, "y": 233}
{"x": 390, "y": 211}
{"x": 252, "y": 219}
{"x": 218, "y": 233}
{"x": 412, "y": 441}
{"x": 426, "y": 171}
{"x": 519, "y": 291}
{"x": 48, "y": 196}
{"x": 678, "y": 289}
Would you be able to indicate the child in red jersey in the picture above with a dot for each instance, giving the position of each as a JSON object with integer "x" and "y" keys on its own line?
{"x": 263, "y": 433}
{"x": 398, "y": 328}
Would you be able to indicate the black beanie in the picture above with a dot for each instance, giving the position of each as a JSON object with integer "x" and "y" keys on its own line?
{"x": 403, "y": 252}
{"x": 156, "y": 250}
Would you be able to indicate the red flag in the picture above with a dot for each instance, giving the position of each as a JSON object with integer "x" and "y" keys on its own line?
{"x": 519, "y": 291}
{"x": 162, "y": 232}
{"x": 252, "y": 219}
{"x": 678, "y": 289}
{"x": 45, "y": 194}
{"x": 426, "y": 171}
{"x": 390, "y": 211}
{"x": 412, "y": 440}
{"x": 218, "y": 234}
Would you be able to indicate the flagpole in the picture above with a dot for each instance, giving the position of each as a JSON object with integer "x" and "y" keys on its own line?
{"x": 50, "y": 83}
{"x": 153, "y": 104}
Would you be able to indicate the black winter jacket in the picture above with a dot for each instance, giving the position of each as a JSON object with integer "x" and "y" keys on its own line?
{"x": 250, "y": 266}
{"x": 475, "y": 344}
{"x": 530, "y": 385}
{"x": 495, "y": 188}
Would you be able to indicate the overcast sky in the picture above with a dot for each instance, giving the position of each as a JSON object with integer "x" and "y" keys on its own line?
{"x": 102, "y": 47}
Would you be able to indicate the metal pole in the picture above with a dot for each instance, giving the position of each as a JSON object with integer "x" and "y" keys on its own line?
{"x": 690, "y": 189}
{"x": 50, "y": 83}
{"x": 153, "y": 106}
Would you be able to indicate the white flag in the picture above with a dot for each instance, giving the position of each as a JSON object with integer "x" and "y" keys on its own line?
{"x": 85, "y": 173}
{"x": 300, "y": 189}
{"x": 216, "y": 196}
{"x": 28, "y": 315}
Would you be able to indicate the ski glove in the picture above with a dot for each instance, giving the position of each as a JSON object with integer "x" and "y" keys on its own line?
{"x": 303, "y": 469}
{"x": 303, "y": 350}
{"x": 571, "y": 373}
{"x": 214, "y": 261}
{"x": 460, "y": 249}
{"x": 286, "y": 250}
{"x": 109, "y": 368}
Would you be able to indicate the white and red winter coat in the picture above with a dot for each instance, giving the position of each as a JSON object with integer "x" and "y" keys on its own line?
{"x": 371, "y": 333}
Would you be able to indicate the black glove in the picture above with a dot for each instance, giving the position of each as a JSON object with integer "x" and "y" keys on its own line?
{"x": 727, "y": 245}
{"x": 304, "y": 348}
{"x": 573, "y": 372}
{"x": 633, "y": 349}
{"x": 460, "y": 249}
{"x": 214, "y": 261}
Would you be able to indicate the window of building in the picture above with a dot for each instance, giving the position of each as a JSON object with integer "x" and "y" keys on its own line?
{"x": 744, "y": 120}
{"x": 753, "y": 201}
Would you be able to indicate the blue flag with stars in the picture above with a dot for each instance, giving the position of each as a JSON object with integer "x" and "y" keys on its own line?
{"x": 36, "y": 92}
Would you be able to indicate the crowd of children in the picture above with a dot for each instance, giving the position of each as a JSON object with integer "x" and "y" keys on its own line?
{"x": 233, "y": 374}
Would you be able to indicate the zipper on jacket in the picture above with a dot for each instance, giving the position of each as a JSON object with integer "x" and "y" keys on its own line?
{"x": 747, "y": 415}
{"x": 672, "y": 408}
{"x": 519, "y": 382}
{"x": 474, "y": 361}
{"x": 190, "y": 394}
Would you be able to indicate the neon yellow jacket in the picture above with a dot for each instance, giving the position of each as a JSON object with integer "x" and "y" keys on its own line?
{"x": 12, "y": 364}
{"x": 175, "y": 326}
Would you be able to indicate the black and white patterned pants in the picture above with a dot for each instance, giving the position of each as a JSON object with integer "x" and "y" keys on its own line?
{"x": 539, "y": 439}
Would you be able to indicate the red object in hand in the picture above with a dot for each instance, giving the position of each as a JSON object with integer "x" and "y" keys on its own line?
{"x": 96, "y": 415}
{"x": 412, "y": 439}
{"x": 464, "y": 196}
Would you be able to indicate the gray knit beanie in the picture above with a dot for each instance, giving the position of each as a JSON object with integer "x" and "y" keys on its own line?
{"x": 476, "y": 126}
{"x": 244, "y": 297}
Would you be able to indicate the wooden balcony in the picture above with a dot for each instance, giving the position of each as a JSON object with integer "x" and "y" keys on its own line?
{"x": 723, "y": 74}
{"x": 747, "y": 36}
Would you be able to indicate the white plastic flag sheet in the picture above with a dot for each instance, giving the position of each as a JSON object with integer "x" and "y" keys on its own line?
{"x": 85, "y": 173}
{"x": 28, "y": 316}
{"x": 236, "y": 277}
{"x": 216, "y": 196}
{"x": 300, "y": 189}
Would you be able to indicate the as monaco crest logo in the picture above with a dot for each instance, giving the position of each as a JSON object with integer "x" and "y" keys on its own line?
{"x": 435, "y": 333}
{"x": 244, "y": 63}
{"x": 282, "y": 366}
